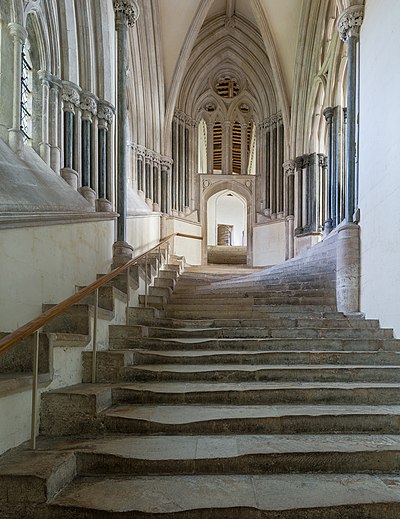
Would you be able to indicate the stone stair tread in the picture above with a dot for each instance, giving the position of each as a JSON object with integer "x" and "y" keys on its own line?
{"x": 32, "y": 463}
{"x": 190, "y": 414}
{"x": 191, "y": 387}
{"x": 167, "y": 447}
{"x": 228, "y": 495}
{"x": 185, "y": 354}
{"x": 206, "y": 368}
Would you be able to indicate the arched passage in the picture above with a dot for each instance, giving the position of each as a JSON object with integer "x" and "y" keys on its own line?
{"x": 218, "y": 201}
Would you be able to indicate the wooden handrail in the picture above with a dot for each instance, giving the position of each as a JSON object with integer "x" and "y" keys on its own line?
{"x": 35, "y": 324}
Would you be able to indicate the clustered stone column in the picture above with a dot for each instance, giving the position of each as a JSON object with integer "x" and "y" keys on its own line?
{"x": 271, "y": 138}
{"x": 88, "y": 106}
{"x": 126, "y": 15}
{"x": 311, "y": 170}
{"x": 289, "y": 168}
{"x": 71, "y": 99}
{"x": 349, "y": 30}
{"x": 348, "y": 249}
{"x": 183, "y": 134}
{"x": 335, "y": 118}
{"x": 87, "y": 164}
{"x": 105, "y": 115}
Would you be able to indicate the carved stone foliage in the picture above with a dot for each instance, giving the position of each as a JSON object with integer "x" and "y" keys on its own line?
{"x": 105, "y": 112}
{"x": 70, "y": 96}
{"x": 129, "y": 9}
{"x": 88, "y": 104}
{"x": 350, "y": 22}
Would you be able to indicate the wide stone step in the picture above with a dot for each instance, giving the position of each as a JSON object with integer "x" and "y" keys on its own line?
{"x": 260, "y": 372}
{"x": 254, "y": 312}
{"x": 256, "y": 419}
{"x": 187, "y": 288}
{"x": 268, "y": 332}
{"x": 303, "y": 344}
{"x": 297, "y": 496}
{"x": 286, "y": 357}
{"x": 334, "y": 321}
{"x": 244, "y": 454}
{"x": 251, "y": 393}
{"x": 261, "y": 292}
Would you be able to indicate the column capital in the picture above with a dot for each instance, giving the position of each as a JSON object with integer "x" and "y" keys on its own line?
{"x": 18, "y": 31}
{"x": 149, "y": 157}
{"x": 289, "y": 167}
{"x": 128, "y": 11}
{"x": 322, "y": 160}
{"x": 105, "y": 111}
{"x": 88, "y": 105}
{"x": 328, "y": 114}
{"x": 350, "y": 21}
{"x": 70, "y": 96}
{"x": 166, "y": 163}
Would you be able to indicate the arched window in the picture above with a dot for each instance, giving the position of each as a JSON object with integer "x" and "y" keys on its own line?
{"x": 26, "y": 94}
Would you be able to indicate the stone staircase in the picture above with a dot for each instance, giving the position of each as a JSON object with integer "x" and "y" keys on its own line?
{"x": 227, "y": 398}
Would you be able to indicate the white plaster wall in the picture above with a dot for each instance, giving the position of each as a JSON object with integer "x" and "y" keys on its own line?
{"x": 379, "y": 163}
{"x": 43, "y": 265}
{"x": 229, "y": 210}
{"x": 187, "y": 247}
{"x": 143, "y": 231}
{"x": 269, "y": 244}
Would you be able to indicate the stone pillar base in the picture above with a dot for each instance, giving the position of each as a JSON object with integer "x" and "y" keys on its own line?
{"x": 44, "y": 148}
{"x": 103, "y": 205}
{"x": 187, "y": 210}
{"x": 163, "y": 226}
{"x": 156, "y": 208}
{"x": 328, "y": 227}
{"x": 89, "y": 194}
{"x": 149, "y": 202}
{"x": 290, "y": 224}
{"x": 16, "y": 141}
{"x": 122, "y": 253}
{"x": 174, "y": 212}
{"x": 70, "y": 176}
{"x": 141, "y": 194}
{"x": 348, "y": 269}
{"x": 267, "y": 213}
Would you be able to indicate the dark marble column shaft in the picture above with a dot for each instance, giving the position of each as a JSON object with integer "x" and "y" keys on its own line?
{"x": 68, "y": 139}
{"x": 102, "y": 162}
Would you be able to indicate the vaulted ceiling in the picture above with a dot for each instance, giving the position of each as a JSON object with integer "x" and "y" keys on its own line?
{"x": 277, "y": 21}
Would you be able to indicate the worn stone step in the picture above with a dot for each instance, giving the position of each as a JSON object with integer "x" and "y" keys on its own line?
{"x": 267, "y": 332}
{"x": 251, "y": 393}
{"x": 286, "y": 357}
{"x": 256, "y": 419}
{"x": 154, "y": 301}
{"x": 165, "y": 282}
{"x": 167, "y": 273}
{"x": 160, "y": 291}
{"x": 260, "y": 372}
{"x": 297, "y": 496}
{"x": 260, "y": 294}
{"x": 243, "y": 454}
{"x": 29, "y": 479}
{"x": 334, "y": 321}
{"x": 251, "y": 344}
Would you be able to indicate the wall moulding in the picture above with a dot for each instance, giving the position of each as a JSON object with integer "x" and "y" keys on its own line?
{"x": 14, "y": 221}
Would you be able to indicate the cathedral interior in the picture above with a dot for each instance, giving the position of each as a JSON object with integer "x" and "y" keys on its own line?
{"x": 198, "y": 280}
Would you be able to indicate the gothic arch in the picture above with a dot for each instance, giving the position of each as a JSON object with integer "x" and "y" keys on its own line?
{"x": 241, "y": 190}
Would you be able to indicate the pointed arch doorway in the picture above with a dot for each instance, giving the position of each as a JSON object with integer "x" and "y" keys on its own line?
{"x": 227, "y": 226}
